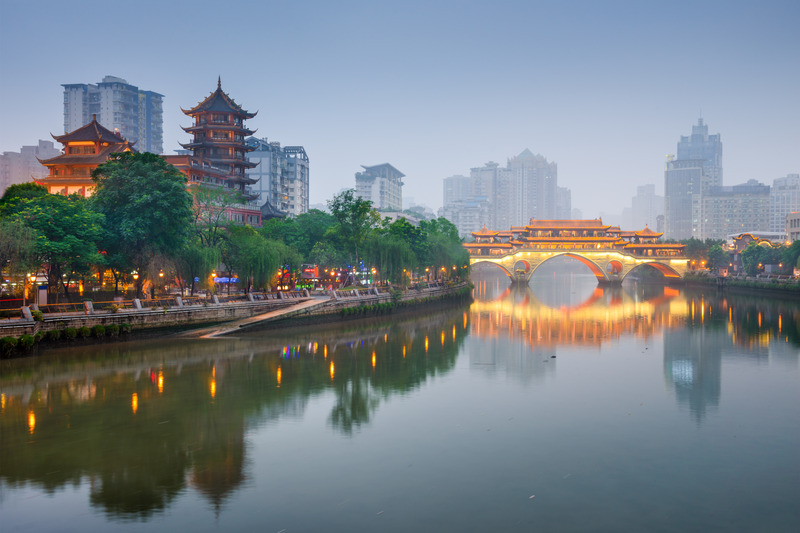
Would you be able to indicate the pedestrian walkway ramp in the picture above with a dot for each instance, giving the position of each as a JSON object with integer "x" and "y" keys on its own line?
{"x": 238, "y": 325}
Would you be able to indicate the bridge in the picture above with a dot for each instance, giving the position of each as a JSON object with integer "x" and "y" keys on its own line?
{"x": 610, "y": 253}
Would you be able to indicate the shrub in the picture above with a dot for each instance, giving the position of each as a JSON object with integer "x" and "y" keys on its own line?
{"x": 7, "y": 345}
{"x": 114, "y": 308}
{"x": 70, "y": 333}
{"x": 54, "y": 334}
{"x": 112, "y": 330}
{"x": 38, "y": 337}
{"x": 99, "y": 331}
{"x": 25, "y": 342}
{"x": 37, "y": 315}
{"x": 84, "y": 331}
{"x": 125, "y": 328}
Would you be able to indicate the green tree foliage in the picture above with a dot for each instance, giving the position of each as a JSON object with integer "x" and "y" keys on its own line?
{"x": 754, "y": 257}
{"x": 717, "y": 257}
{"x": 17, "y": 246}
{"x": 355, "y": 218}
{"x": 210, "y": 212}
{"x": 196, "y": 261}
{"x": 444, "y": 248}
{"x": 66, "y": 232}
{"x": 790, "y": 257}
{"x": 146, "y": 205}
{"x": 251, "y": 256}
{"x": 21, "y": 191}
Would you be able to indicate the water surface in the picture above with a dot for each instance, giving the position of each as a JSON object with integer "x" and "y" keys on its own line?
{"x": 559, "y": 407}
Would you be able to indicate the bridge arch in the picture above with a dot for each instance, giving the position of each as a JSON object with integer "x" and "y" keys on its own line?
{"x": 591, "y": 265}
{"x": 668, "y": 272}
{"x": 494, "y": 264}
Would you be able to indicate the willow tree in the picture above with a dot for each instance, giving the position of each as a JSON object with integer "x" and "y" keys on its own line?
{"x": 391, "y": 256}
{"x": 254, "y": 258}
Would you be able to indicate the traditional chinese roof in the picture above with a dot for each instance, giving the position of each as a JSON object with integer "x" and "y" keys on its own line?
{"x": 647, "y": 232}
{"x": 485, "y": 233}
{"x": 92, "y": 131}
{"x": 221, "y": 102}
{"x": 89, "y": 159}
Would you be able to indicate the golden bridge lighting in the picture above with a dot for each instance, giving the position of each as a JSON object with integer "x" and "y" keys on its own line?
{"x": 134, "y": 402}
{"x": 31, "y": 421}
{"x": 442, "y": 337}
{"x": 465, "y": 320}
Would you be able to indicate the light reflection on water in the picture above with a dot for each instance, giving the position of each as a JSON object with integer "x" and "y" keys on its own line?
{"x": 559, "y": 406}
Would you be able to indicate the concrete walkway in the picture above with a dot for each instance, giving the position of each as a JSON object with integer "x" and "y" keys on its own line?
{"x": 238, "y": 325}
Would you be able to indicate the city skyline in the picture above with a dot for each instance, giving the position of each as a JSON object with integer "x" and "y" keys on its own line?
{"x": 604, "y": 90}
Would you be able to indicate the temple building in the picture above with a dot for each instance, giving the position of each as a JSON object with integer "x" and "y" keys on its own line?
{"x": 218, "y": 152}
{"x": 84, "y": 149}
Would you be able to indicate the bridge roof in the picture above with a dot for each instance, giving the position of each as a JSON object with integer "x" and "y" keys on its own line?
{"x": 567, "y": 224}
{"x": 487, "y": 245}
{"x": 649, "y": 246}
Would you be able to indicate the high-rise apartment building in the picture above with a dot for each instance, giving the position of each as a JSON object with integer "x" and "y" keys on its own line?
{"x": 24, "y": 166}
{"x": 646, "y": 208}
{"x": 737, "y": 209}
{"x": 502, "y": 197}
{"x": 784, "y": 199}
{"x": 281, "y": 174}
{"x": 382, "y": 185}
{"x": 134, "y": 114}
{"x": 535, "y": 183}
{"x": 697, "y": 167}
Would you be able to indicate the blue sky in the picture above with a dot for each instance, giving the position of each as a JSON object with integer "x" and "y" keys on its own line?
{"x": 603, "y": 88}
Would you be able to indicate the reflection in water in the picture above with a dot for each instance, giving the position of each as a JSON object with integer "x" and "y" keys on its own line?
{"x": 142, "y": 429}
{"x": 513, "y": 330}
{"x": 144, "y": 425}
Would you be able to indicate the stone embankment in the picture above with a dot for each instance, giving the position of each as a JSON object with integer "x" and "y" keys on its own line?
{"x": 229, "y": 314}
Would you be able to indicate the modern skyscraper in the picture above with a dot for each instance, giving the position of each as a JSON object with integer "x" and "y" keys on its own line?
{"x": 382, "y": 185}
{"x": 784, "y": 199}
{"x": 119, "y": 106}
{"x": 646, "y": 208}
{"x": 687, "y": 177}
{"x": 281, "y": 174}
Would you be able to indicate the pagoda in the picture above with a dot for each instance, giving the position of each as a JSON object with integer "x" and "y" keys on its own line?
{"x": 218, "y": 151}
{"x": 84, "y": 149}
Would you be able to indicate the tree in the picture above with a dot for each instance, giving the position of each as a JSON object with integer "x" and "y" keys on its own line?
{"x": 17, "y": 246}
{"x": 210, "y": 209}
{"x": 251, "y": 256}
{"x": 66, "y": 235}
{"x": 717, "y": 257}
{"x": 21, "y": 191}
{"x": 196, "y": 261}
{"x": 354, "y": 219}
{"x": 146, "y": 205}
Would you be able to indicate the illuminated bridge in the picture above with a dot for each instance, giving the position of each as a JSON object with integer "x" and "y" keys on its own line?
{"x": 610, "y": 253}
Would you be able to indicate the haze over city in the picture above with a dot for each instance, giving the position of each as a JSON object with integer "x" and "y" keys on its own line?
{"x": 604, "y": 89}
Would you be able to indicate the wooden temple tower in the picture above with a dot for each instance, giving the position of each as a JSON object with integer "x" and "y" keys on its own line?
{"x": 218, "y": 151}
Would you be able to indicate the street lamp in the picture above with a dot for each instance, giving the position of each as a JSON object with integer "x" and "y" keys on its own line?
{"x": 33, "y": 284}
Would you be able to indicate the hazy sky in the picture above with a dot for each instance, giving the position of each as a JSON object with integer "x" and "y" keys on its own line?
{"x": 603, "y": 88}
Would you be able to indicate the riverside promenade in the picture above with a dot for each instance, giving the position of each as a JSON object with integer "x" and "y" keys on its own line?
{"x": 227, "y": 314}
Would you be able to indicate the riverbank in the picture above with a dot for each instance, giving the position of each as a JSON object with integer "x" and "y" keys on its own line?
{"x": 23, "y": 336}
{"x": 779, "y": 288}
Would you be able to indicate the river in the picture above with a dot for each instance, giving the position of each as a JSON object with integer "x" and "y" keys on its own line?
{"x": 561, "y": 406}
